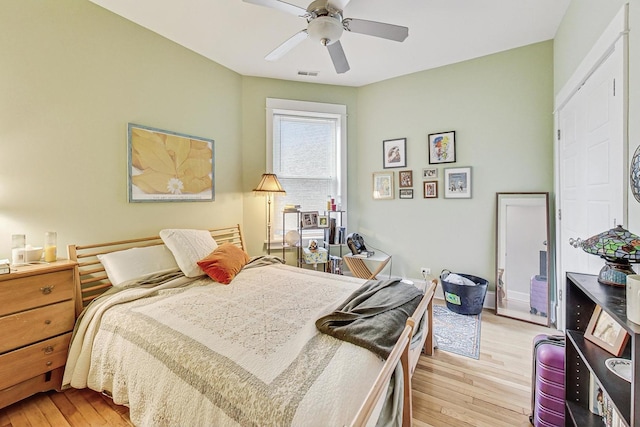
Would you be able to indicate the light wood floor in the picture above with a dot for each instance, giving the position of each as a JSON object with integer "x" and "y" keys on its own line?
{"x": 448, "y": 390}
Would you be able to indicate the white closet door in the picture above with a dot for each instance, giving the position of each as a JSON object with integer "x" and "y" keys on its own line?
{"x": 591, "y": 163}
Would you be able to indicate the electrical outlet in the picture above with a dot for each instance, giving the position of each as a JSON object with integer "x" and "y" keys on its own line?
{"x": 426, "y": 271}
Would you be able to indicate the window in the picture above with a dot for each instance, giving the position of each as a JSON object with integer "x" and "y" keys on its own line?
{"x": 306, "y": 149}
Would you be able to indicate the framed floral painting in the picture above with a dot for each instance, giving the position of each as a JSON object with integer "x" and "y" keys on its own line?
{"x": 167, "y": 166}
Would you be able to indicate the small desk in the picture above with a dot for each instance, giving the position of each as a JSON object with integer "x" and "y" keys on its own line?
{"x": 359, "y": 268}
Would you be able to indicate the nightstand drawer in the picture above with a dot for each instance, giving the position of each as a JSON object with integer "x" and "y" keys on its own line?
{"x": 20, "y": 329}
{"x": 34, "y": 291}
{"x": 43, "y": 382}
{"x": 28, "y": 362}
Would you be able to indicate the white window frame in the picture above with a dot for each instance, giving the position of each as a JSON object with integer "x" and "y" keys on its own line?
{"x": 313, "y": 109}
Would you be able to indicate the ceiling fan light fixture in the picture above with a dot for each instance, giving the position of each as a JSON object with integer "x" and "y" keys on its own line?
{"x": 325, "y": 29}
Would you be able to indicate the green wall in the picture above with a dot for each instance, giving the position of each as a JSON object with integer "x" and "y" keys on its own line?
{"x": 501, "y": 109}
{"x": 581, "y": 27}
{"x": 73, "y": 75}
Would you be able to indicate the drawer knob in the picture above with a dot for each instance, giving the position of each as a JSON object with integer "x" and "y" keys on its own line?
{"x": 46, "y": 290}
{"x": 47, "y": 322}
{"x": 49, "y": 363}
{"x": 48, "y": 349}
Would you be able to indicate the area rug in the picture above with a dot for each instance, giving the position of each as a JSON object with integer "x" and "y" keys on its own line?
{"x": 456, "y": 333}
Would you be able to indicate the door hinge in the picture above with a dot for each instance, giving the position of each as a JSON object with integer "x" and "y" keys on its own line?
{"x": 614, "y": 87}
{"x": 559, "y": 294}
{"x": 558, "y": 134}
{"x": 559, "y": 214}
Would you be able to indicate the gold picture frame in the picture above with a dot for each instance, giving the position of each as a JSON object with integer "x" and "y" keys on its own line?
{"x": 605, "y": 332}
{"x": 383, "y": 187}
{"x": 323, "y": 221}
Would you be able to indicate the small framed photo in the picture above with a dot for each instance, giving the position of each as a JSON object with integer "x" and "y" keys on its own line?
{"x": 394, "y": 152}
{"x": 405, "y": 193}
{"x": 383, "y": 185}
{"x": 323, "y": 221}
{"x": 309, "y": 219}
{"x": 429, "y": 173}
{"x": 405, "y": 178}
{"x": 457, "y": 183}
{"x": 442, "y": 147}
{"x": 430, "y": 189}
{"x": 605, "y": 332}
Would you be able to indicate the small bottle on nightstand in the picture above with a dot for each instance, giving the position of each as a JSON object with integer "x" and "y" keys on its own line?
{"x": 50, "y": 246}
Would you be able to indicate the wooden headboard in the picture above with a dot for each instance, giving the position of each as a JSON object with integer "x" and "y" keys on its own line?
{"x": 91, "y": 278}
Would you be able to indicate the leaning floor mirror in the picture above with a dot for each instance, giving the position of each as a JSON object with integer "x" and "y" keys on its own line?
{"x": 522, "y": 257}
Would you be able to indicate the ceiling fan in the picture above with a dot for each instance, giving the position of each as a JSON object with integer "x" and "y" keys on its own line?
{"x": 325, "y": 23}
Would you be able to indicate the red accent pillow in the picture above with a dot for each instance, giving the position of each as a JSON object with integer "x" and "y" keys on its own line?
{"x": 224, "y": 263}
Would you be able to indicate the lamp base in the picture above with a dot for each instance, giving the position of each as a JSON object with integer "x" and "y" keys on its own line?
{"x": 615, "y": 273}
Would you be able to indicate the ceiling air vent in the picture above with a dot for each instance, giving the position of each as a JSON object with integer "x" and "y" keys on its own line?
{"x": 308, "y": 73}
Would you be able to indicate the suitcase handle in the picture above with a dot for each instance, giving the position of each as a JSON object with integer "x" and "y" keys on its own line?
{"x": 556, "y": 337}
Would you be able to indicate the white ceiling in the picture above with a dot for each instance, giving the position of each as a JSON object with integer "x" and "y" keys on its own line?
{"x": 238, "y": 35}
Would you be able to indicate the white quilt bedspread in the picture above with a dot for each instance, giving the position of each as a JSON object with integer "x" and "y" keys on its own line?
{"x": 199, "y": 353}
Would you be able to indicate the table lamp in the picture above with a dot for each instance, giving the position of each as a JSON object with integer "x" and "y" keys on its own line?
{"x": 269, "y": 184}
{"x": 618, "y": 247}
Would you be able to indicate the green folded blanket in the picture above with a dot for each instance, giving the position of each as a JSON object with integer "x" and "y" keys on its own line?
{"x": 373, "y": 316}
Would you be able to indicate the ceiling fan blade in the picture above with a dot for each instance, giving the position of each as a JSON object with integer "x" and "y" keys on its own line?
{"x": 285, "y": 47}
{"x": 338, "y": 57}
{"x": 280, "y": 5}
{"x": 339, "y": 4}
{"x": 377, "y": 29}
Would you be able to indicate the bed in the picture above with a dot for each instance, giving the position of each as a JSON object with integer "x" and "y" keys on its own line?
{"x": 181, "y": 350}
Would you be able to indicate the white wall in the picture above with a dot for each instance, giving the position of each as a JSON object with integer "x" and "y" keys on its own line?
{"x": 583, "y": 23}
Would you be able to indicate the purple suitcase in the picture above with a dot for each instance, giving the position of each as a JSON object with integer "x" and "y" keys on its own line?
{"x": 548, "y": 381}
{"x": 539, "y": 295}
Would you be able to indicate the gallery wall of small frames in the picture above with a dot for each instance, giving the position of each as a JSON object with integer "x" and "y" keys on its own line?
{"x": 452, "y": 182}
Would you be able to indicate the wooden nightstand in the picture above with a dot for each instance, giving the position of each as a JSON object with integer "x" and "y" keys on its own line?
{"x": 37, "y": 314}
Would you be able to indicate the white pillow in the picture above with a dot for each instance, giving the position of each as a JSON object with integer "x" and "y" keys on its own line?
{"x": 189, "y": 247}
{"x": 133, "y": 263}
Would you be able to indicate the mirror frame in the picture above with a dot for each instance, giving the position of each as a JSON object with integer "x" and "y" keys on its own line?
{"x": 527, "y": 317}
